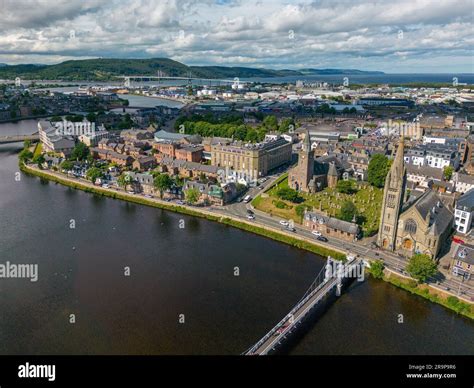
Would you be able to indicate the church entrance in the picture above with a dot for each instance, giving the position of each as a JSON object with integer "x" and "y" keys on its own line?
{"x": 385, "y": 243}
{"x": 408, "y": 244}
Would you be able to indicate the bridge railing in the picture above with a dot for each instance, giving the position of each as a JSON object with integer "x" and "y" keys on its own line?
{"x": 315, "y": 287}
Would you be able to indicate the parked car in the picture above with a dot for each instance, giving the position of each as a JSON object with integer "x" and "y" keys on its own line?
{"x": 250, "y": 217}
{"x": 316, "y": 233}
{"x": 284, "y": 223}
{"x": 322, "y": 238}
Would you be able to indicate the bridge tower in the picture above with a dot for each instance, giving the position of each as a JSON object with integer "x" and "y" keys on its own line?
{"x": 127, "y": 82}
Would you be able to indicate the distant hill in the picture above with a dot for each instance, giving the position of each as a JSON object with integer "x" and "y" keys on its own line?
{"x": 108, "y": 69}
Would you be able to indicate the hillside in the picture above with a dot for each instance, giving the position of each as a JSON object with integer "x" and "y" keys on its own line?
{"x": 108, "y": 69}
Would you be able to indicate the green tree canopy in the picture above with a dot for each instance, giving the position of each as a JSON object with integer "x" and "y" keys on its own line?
{"x": 80, "y": 152}
{"x": 378, "y": 170}
{"x": 345, "y": 187}
{"x": 421, "y": 267}
{"x": 93, "y": 173}
{"x": 162, "y": 182}
{"x": 376, "y": 269}
{"x": 289, "y": 194}
{"x": 192, "y": 195}
{"x": 348, "y": 211}
{"x": 270, "y": 122}
{"x": 67, "y": 165}
{"x": 25, "y": 155}
{"x": 123, "y": 180}
{"x": 286, "y": 125}
{"x": 448, "y": 172}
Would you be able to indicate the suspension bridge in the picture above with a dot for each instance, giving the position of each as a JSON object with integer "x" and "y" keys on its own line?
{"x": 330, "y": 279}
{"x": 18, "y": 138}
{"x": 128, "y": 78}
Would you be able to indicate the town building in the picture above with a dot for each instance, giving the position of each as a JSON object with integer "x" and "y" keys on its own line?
{"x": 211, "y": 193}
{"x": 52, "y": 141}
{"x": 463, "y": 213}
{"x": 462, "y": 182}
{"x": 251, "y": 160}
{"x": 462, "y": 264}
{"x": 421, "y": 224}
{"x": 333, "y": 227}
{"x": 311, "y": 175}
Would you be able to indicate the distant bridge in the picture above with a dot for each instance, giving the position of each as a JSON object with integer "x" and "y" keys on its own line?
{"x": 329, "y": 280}
{"x": 128, "y": 78}
{"x": 18, "y": 138}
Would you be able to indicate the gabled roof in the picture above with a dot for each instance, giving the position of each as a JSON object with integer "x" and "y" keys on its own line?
{"x": 466, "y": 201}
{"x": 429, "y": 204}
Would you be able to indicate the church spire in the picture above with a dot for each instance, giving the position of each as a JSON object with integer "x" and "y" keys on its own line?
{"x": 398, "y": 166}
{"x": 307, "y": 142}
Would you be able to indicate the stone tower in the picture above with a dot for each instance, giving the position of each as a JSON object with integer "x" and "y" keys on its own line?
{"x": 301, "y": 175}
{"x": 332, "y": 176}
{"x": 393, "y": 196}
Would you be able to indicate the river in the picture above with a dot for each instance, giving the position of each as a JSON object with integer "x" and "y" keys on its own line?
{"x": 175, "y": 271}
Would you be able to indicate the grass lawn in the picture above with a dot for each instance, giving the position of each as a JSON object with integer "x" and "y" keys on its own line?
{"x": 367, "y": 199}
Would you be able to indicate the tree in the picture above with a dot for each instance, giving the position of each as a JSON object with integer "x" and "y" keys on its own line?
{"x": 448, "y": 172}
{"x": 38, "y": 159}
{"x": 345, "y": 187}
{"x": 80, "y": 152}
{"x": 192, "y": 195}
{"x": 27, "y": 144}
{"x": 421, "y": 267}
{"x": 271, "y": 123}
{"x": 348, "y": 211}
{"x": 286, "y": 125}
{"x": 163, "y": 182}
{"x": 288, "y": 194}
{"x": 67, "y": 165}
{"x": 378, "y": 170}
{"x": 123, "y": 180}
{"x": 92, "y": 117}
{"x": 93, "y": 174}
{"x": 376, "y": 269}
{"x": 25, "y": 155}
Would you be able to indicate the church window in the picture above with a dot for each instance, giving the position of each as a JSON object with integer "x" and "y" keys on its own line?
{"x": 410, "y": 226}
{"x": 391, "y": 200}
{"x": 386, "y": 228}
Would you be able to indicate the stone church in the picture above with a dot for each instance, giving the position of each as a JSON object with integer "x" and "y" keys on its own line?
{"x": 419, "y": 224}
{"x": 310, "y": 175}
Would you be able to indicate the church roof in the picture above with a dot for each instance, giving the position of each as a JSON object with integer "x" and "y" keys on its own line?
{"x": 429, "y": 204}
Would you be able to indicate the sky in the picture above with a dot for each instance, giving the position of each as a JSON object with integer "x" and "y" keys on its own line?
{"x": 403, "y": 36}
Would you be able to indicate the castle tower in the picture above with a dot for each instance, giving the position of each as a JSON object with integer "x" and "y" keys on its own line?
{"x": 332, "y": 176}
{"x": 393, "y": 196}
{"x": 300, "y": 175}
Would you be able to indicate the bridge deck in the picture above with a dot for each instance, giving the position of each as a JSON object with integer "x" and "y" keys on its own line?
{"x": 299, "y": 311}
{"x": 18, "y": 138}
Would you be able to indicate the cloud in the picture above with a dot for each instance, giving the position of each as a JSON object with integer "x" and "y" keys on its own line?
{"x": 407, "y": 35}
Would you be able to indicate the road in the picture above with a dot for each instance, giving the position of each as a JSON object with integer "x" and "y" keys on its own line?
{"x": 239, "y": 210}
{"x": 392, "y": 261}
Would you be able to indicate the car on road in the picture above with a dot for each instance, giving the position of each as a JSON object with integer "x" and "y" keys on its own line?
{"x": 322, "y": 238}
{"x": 316, "y": 233}
{"x": 284, "y": 223}
{"x": 250, "y": 217}
{"x": 247, "y": 199}
{"x": 249, "y": 211}
{"x": 289, "y": 229}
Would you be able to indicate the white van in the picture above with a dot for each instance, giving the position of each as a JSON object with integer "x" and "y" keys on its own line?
{"x": 247, "y": 198}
